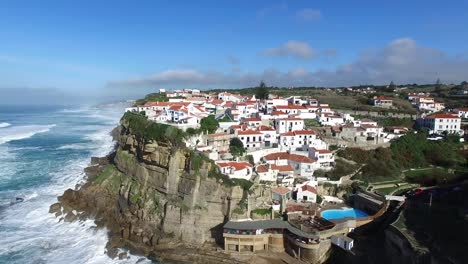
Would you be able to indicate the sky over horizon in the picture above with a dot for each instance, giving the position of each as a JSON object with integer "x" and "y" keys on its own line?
{"x": 53, "y": 49}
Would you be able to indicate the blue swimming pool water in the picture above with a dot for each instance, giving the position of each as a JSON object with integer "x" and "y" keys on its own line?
{"x": 343, "y": 213}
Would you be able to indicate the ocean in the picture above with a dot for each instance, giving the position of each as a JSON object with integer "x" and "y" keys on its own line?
{"x": 43, "y": 151}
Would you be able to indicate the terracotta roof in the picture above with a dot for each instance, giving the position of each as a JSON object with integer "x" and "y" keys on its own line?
{"x": 321, "y": 151}
{"x": 291, "y": 118}
{"x": 236, "y": 165}
{"x": 383, "y": 98}
{"x": 282, "y": 167}
{"x": 265, "y": 128}
{"x": 290, "y": 107}
{"x": 253, "y": 119}
{"x": 281, "y": 190}
{"x": 278, "y": 113}
{"x": 444, "y": 115}
{"x": 248, "y": 132}
{"x": 308, "y": 188}
{"x": 262, "y": 168}
{"x": 298, "y": 132}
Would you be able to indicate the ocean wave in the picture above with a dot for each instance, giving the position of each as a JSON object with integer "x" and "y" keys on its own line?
{"x": 77, "y": 146}
{"x": 22, "y": 132}
{"x": 29, "y": 233}
{"x": 4, "y": 124}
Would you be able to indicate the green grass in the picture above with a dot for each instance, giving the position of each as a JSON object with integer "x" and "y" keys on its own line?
{"x": 433, "y": 176}
{"x": 386, "y": 190}
{"x": 262, "y": 211}
{"x": 108, "y": 170}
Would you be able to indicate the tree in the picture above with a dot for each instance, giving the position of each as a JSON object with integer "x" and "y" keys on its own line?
{"x": 236, "y": 147}
{"x": 209, "y": 124}
{"x": 392, "y": 85}
{"x": 261, "y": 92}
{"x": 438, "y": 86}
{"x": 464, "y": 83}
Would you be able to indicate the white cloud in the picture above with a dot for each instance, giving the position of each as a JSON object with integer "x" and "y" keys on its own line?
{"x": 292, "y": 48}
{"x": 402, "y": 60}
{"x": 309, "y": 14}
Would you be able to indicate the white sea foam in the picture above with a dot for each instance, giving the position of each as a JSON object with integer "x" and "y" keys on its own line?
{"x": 32, "y": 235}
{"x": 21, "y": 132}
{"x": 77, "y": 146}
{"x": 4, "y": 124}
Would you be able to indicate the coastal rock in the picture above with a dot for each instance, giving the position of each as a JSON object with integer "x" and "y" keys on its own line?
{"x": 55, "y": 208}
{"x": 123, "y": 255}
{"x": 70, "y": 217}
{"x": 149, "y": 196}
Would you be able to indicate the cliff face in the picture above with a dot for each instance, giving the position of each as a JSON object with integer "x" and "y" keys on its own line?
{"x": 149, "y": 194}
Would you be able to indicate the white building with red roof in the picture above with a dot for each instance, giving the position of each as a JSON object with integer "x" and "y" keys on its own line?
{"x": 382, "y": 101}
{"x": 325, "y": 159}
{"x": 305, "y": 192}
{"x": 252, "y": 139}
{"x": 298, "y": 138}
{"x": 270, "y": 137}
{"x": 303, "y": 166}
{"x": 236, "y": 169}
{"x": 289, "y": 124}
{"x": 440, "y": 123}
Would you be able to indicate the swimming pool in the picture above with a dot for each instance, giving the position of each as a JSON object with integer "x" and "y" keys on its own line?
{"x": 343, "y": 213}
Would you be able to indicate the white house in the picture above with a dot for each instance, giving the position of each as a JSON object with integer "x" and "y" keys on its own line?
{"x": 303, "y": 166}
{"x": 461, "y": 112}
{"x": 250, "y": 138}
{"x": 225, "y": 96}
{"x": 270, "y": 137}
{"x": 288, "y": 124}
{"x": 270, "y": 103}
{"x": 236, "y": 170}
{"x": 440, "y": 123}
{"x": 382, "y": 101}
{"x": 297, "y": 138}
{"x": 331, "y": 120}
{"x": 324, "y": 158}
{"x": 306, "y": 192}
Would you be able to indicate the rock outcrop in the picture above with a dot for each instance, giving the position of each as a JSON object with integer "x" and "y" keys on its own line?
{"x": 150, "y": 195}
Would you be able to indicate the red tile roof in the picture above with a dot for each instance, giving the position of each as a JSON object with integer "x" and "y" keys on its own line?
{"x": 281, "y": 190}
{"x": 265, "y": 128}
{"x": 262, "y": 168}
{"x": 308, "y": 188}
{"x": 282, "y": 167}
{"x": 297, "y": 132}
{"x": 444, "y": 115}
{"x": 248, "y": 132}
{"x": 383, "y": 98}
{"x": 253, "y": 119}
{"x": 236, "y": 165}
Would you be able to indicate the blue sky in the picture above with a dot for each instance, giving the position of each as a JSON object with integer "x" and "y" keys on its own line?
{"x": 135, "y": 46}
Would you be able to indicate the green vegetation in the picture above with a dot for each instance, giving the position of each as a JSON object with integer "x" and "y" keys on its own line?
{"x": 409, "y": 151}
{"x": 309, "y": 123}
{"x": 341, "y": 168}
{"x": 108, "y": 170}
{"x": 209, "y": 124}
{"x": 261, "y": 92}
{"x": 153, "y": 97}
{"x": 262, "y": 211}
{"x": 236, "y": 147}
{"x": 434, "y": 176}
{"x": 142, "y": 127}
{"x": 238, "y": 211}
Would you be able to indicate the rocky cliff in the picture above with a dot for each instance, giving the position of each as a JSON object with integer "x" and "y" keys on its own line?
{"x": 155, "y": 198}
